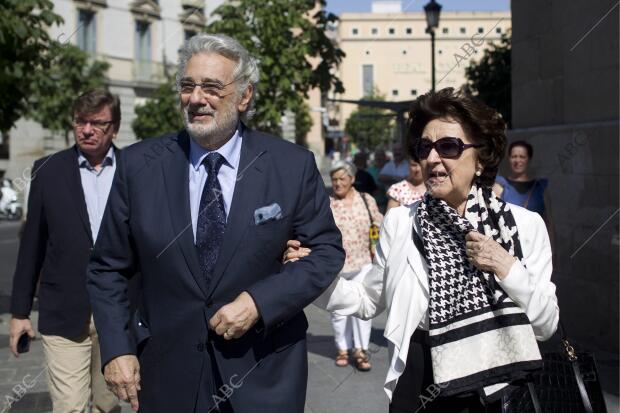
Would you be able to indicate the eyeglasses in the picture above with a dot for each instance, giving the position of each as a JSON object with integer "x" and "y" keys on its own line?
{"x": 211, "y": 88}
{"x": 447, "y": 147}
{"x": 100, "y": 126}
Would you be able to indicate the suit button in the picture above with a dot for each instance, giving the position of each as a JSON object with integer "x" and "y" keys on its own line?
{"x": 209, "y": 303}
{"x": 200, "y": 347}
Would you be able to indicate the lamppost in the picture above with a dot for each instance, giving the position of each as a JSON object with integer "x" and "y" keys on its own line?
{"x": 432, "y": 10}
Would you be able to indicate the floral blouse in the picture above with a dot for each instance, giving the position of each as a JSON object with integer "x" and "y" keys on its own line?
{"x": 354, "y": 224}
{"x": 404, "y": 193}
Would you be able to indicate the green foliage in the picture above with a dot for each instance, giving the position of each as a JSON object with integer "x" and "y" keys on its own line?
{"x": 71, "y": 72}
{"x": 303, "y": 123}
{"x": 294, "y": 52}
{"x": 23, "y": 45}
{"x": 159, "y": 115}
{"x": 370, "y": 127}
{"x": 490, "y": 80}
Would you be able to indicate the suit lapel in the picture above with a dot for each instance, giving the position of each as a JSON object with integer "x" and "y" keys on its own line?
{"x": 175, "y": 169}
{"x": 249, "y": 185}
{"x": 77, "y": 190}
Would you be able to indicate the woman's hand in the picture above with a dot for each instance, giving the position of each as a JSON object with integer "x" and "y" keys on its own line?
{"x": 294, "y": 251}
{"x": 488, "y": 255}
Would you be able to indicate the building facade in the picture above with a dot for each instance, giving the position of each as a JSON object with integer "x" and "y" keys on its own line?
{"x": 565, "y": 103}
{"x": 140, "y": 40}
{"x": 388, "y": 52}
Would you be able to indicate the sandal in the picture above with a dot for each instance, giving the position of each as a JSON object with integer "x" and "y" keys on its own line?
{"x": 342, "y": 358}
{"x": 362, "y": 361}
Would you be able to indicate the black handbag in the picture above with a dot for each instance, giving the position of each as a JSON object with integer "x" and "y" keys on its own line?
{"x": 567, "y": 383}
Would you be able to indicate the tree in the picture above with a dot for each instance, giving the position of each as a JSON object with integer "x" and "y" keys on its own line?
{"x": 303, "y": 123}
{"x": 286, "y": 39}
{"x": 24, "y": 42}
{"x": 160, "y": 114}
{"x": 370, "y": 127}
{"x": 71, "y": 72}
{"x": 490, "y": 80}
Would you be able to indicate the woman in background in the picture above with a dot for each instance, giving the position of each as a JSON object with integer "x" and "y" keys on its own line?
{"x": 409, "y": 190}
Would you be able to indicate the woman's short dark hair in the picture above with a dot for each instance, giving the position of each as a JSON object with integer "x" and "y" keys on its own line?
{"x": 528, "y": 148}
{"x": 483, "y": 125}
{"x": 95, "y": 100}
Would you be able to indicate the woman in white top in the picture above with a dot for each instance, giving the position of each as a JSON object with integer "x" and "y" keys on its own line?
{"x": 465, "y": 277}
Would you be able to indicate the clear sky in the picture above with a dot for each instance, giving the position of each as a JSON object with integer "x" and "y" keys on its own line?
{"x": 339, "y": 6}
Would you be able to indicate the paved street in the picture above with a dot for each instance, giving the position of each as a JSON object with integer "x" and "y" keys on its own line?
{"x": 330, "y": 389}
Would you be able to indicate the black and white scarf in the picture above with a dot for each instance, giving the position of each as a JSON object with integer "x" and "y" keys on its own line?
{"x": 479, "y": 338}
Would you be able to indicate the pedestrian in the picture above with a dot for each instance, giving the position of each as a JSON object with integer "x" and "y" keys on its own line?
{"x": 68, "y": 195}
{"x": 409, "y": 190}
{"x": 204, "y": 214}
{"x": 364, "y": 182}
{"x": 450, "y": 270}
{"x": 395, "y": 170}
{"x": 354, "y": 213}
{"x": 378, "y": 162}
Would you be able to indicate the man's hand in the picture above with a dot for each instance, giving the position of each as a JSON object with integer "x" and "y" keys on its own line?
{"x": 17, "y": 327}
{"x": 122, "y": 375}
{"x": 235, "y": 319}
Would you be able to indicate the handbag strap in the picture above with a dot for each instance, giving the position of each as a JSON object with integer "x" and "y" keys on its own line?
{"x": 367, "y": 208}
{"x": 571, "y": 354}
{"x": 534, "y": 396}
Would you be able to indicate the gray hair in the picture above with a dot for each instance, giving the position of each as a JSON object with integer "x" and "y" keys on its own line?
{"x": 245, "y": 73}
{"x": 348, "y": 167}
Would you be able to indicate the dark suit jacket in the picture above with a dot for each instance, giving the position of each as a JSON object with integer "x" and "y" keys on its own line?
{"x": 55, "y": 247}
{"x": 147, "y": 227}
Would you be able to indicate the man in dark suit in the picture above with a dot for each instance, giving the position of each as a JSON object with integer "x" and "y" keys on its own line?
{"x": 67, "y": 198}
{"x": 204, "y": 214}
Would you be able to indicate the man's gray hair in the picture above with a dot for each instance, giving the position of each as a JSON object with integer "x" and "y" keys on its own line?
{"x": 245, "y": 73}
{"x": 348, "y": 167}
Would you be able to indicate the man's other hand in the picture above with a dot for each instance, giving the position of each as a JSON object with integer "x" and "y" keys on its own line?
{"x": 17, "y": 327}
{"x": 122, "y": 375}
{"x": 235, "y": 319}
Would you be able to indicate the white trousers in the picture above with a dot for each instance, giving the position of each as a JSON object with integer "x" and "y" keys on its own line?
{"x": 351, "y": 332}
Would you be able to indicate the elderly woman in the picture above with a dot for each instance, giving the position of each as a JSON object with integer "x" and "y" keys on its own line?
{"x": 354, "y": 212}
{"x": 464, "y": 276}
{"x": 409, "y": 190}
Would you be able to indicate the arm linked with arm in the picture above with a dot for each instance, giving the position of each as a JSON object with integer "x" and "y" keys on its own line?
{"x": 365, "y": 299}
{"x": 281, "y": 296}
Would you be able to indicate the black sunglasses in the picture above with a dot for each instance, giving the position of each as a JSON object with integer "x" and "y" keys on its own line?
{"x": 447, "y": 147}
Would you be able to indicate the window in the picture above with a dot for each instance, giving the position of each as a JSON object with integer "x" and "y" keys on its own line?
{"x": 480, "y": 30}
{"x": 367, "y": 52}
{"x": 404, "y": 52}
{"x": 87, "y": 34}
{"x": 367, "y": 80}
{"x": 445, "y": 30}
{"x": 143, "y": 50}
{"x": 498, "y": 30}
{"x": 391, "y": 30}
{"x": 462, "y": 30}
{"x": 374, "y": 31}
{"x": 354, "y": 31}
{"x": 408, "y": 30}
{"x": 394, "y": 92}
{"x": 414, "y": 92}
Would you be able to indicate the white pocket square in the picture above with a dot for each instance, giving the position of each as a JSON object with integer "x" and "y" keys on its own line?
{"x": 267, "y": 213}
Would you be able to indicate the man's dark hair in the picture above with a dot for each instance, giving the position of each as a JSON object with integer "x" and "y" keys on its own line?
{"x": 528, "y": 148}
{"x": 482, "y": 124}
{"x": 95, "y": 100}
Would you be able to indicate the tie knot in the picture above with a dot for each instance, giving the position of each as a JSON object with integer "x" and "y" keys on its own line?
{"x": 213, "y": 162}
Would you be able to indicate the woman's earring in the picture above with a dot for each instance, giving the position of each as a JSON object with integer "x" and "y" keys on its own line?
{"x": 478, "y": 173}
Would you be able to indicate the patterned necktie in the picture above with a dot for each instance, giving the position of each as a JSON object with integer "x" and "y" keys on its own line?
{"x": 211, "y": 217}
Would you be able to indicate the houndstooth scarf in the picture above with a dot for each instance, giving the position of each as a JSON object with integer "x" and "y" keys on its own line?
{"x": 479, "y": 337}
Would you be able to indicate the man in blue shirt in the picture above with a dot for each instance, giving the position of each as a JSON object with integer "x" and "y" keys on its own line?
{"x": 68, "y": 196}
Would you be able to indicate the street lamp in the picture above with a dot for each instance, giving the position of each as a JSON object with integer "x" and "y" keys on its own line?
{"x": 432, "y": 10}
